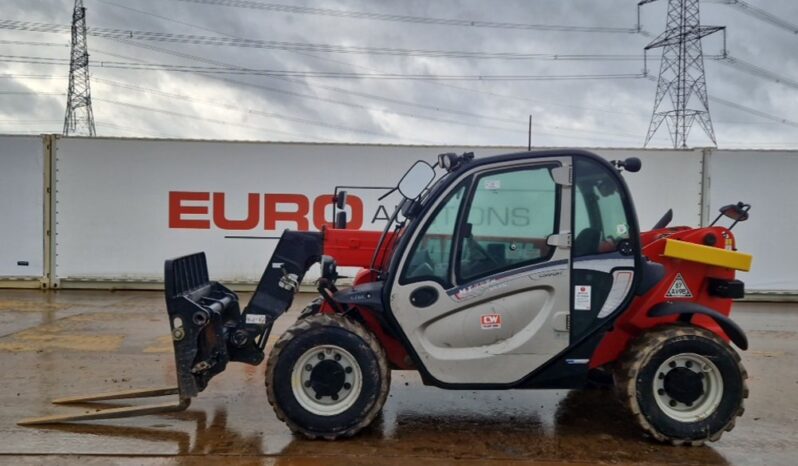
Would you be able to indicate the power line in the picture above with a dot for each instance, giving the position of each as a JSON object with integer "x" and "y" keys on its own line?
{"x": 29, "y": 133}
{"x": 351, "y": 104}
{"x": 238, "y": 108}
{"x": 136, "y": 132}
{"x": 339, "y": 90}
{"x": 345, "y": 75}
{"x": 760, "y": 14}
{"x": 456, "y": 122}
{"x": 32, "y": 76}
{"x": 194, "y": 39}
{"x": 552, "y": 57}
{"x": 28, "y": 122}
{"x": 315, "y": 74}
{"x": 31, "y": 93}
{"x": 34, "y": 60}
{"x": 753, "y": 111}
{"x": 471, "y": 23}
{"x": 363, "y": 107}
{"x": 381, "y": 98}
{"x": 377, "y": 97}
{"x": 513, "y": 98}
{"x": 36, "y": 43}
{"x": 47, "y": 60}
{"x": 373, "y": 96}
{"x": 209, "y": 120}
{"x": 756, "y": 70}
{"x": 268, "y": 114}
{"x": 216, "y": 121}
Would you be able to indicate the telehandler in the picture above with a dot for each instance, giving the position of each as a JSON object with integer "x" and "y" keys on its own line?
{"x": 517, "y": 271}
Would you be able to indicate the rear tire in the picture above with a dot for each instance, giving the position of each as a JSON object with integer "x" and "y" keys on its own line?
{"x": 327, "y": 377}
{"x": 682, "y": 384}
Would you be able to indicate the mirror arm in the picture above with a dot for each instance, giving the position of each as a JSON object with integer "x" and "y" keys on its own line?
{"x": 716, "y": 220}
{"x": 392, "y": 190}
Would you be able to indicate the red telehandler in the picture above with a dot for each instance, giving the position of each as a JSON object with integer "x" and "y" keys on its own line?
{"x": 517, "y": 271}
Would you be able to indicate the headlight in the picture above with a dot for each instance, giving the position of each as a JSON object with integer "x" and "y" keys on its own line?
{"x": 447, "y": 160}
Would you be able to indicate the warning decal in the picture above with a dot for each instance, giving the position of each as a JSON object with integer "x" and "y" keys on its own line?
{"x": 582, "y": 297}
{"x": 490, "y": 321}
{"x": 679, "y": 288}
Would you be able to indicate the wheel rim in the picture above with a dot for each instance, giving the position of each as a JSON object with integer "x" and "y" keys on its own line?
{"x": 688, "y": 387}
{"x": 326, "y": 380}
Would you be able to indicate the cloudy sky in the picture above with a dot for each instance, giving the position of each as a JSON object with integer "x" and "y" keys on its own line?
{"x": 753, "y": 101}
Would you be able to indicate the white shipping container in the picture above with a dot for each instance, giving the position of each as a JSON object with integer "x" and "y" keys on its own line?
{"x": 21, "y": 207}
{"x": 125, "y": 205}
{"x": 767, "y": 181}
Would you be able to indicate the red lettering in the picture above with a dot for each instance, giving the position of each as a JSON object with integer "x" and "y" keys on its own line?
{"x": 253, "y": 211}
{"x": 282, "y": 207}
{"x": 177, "y": 210}
{"x": 321, "y": 203}
{"x": 298, "y": 216}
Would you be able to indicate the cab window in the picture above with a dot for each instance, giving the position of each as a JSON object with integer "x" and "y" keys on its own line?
{"x": 600, "y": 216}
{"x": 430, "y": 257}
{"x": 509, "y": 219}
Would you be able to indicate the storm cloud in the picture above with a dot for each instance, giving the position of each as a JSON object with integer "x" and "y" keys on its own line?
{"x": 597, "y": 113}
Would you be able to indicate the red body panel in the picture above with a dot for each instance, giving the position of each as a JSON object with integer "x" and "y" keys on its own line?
{"x": 633, "y": 321}
{"x": 355, "y": 248}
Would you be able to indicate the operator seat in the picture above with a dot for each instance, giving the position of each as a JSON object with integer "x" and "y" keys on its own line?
{"x": 587, "y": 242}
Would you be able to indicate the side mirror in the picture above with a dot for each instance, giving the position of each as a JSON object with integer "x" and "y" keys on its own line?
{"x": 340, "y": 219}
{"x": 737, "y": 212}
{"x": 631, "y": 164}
{"x": 416, "y": 180}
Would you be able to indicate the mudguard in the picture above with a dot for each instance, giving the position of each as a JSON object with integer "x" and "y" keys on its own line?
{"x": 687, "y": 310}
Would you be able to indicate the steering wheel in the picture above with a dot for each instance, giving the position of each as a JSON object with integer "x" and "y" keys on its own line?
{"x": 609, "y": 244}
{"x": 423, "y": 267}
{"x": 478, "y": 247}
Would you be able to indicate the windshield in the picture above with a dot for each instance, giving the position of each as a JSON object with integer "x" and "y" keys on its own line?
{"x": 403, "y": 210}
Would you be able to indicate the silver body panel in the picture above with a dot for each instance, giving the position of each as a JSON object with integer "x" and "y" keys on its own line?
{"x": 455, "y": 338}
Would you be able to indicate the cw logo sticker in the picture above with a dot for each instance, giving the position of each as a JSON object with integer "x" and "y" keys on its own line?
{"x": 489, "y": 321}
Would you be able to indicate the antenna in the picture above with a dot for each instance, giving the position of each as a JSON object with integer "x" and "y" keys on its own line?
{"x": 681, "y": 75}
{"x": 529, "y": 143}
{"x": 79, "y": 118}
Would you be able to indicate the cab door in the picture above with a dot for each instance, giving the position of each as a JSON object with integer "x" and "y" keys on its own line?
{"x": 605, "y": 246}
{"x": 482, "y": 292}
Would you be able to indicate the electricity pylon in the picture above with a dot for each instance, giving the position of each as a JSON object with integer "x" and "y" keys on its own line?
{"x": 79, "y": 118}
{"x": 681, "y": 75}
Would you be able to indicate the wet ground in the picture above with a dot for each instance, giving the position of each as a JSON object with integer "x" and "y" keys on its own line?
{"x": 65, "y": 343}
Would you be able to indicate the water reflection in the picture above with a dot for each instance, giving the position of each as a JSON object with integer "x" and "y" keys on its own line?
{"x": 583, "y": 426}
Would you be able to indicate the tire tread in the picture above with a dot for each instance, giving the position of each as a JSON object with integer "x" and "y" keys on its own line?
{"x": 636, "y": 357}
{"x": 316, "y": 321}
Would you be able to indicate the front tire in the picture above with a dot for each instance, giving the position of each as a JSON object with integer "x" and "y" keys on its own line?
{"x": 327, "y": 377}
{"x": 682, "y": 384}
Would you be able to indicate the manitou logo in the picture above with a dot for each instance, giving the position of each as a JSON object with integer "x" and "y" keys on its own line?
{"x": 201, "y": 210}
